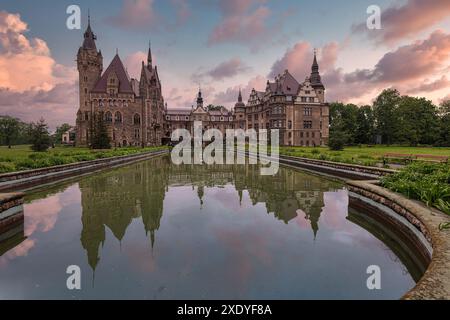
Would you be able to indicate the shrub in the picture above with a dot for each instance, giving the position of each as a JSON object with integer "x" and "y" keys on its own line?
{"x": 7, "y": 167}
{"x": 337, "y": 141}
{"x": 427, "y": 182}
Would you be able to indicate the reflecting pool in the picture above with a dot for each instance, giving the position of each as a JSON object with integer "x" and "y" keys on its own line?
{"x": 153, "y": 230}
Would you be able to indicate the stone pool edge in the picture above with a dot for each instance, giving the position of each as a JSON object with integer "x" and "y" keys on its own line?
{"x": 21, "y": 180}
{"x": 435, "y": 283}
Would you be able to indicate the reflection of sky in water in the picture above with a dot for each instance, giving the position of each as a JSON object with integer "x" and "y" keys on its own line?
{"x": 150, "y": 231}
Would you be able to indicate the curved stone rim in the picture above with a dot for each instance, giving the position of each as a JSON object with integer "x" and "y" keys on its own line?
{"x": 435, "y": 283}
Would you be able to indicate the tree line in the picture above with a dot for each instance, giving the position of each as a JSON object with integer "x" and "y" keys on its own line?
{"x": 391, "y": 119}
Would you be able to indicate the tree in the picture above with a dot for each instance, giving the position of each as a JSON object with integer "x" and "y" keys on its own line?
{"x": 9, "y": 129}
{"x": 343, "y": 117}
{"x": 444, "y": 124}
{"x": 384, "y": 108}
{"x": 337, "y": 140}
{"x": 40, "y": 137}
{"x": 364, "y": 132}
{"x": 60, "y": 131}
{"x": 100, "y": 137}
{"x": 418, "y": 122}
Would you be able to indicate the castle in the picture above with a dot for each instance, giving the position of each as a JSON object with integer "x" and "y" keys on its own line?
{"x": 135, "y": 113}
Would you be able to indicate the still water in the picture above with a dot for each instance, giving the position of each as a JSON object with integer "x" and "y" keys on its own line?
{"x": 154, "y": 230}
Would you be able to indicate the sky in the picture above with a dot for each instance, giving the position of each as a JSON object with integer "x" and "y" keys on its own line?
{"x": 224, "y": 45}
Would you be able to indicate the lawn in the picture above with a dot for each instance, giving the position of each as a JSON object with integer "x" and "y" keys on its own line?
{"x": 365, "y": 155}
{"x": 23, "y": 158}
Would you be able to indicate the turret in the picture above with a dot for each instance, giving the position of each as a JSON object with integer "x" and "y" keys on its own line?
{"x": 316, "y": 81}
{"x": 199, "y": 99}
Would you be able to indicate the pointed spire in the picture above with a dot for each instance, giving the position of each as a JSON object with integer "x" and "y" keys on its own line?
{"x": 89, "y": 36}
{"x": 315, "y": 78}
{"x": 240, "y": 95}
{"x": 149, "y": 55}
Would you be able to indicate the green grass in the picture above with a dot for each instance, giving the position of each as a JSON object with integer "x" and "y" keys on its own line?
{"x": 427, "y": 182}
{"x": 23, "y": 158}
{"x": 365, "y": 155}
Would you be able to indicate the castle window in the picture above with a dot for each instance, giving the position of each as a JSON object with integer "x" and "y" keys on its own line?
{"x": 86, "y": 115}
{"x": 118, "y": 117}
{"x": 311, "y": 99}
{"x": 307, "y": 92}
{"x": 187, "y": 118}
{"x": 108, "y": 117}
{"x": 307, "y": 124}
{"x": 85, "y": 90}
{"x": 307, "y": 111}
{"x": 303, "y": 99}
{"x": 137, "y": 119}
{"x": 289, "y": 124}
{"x": 136, "y": 134}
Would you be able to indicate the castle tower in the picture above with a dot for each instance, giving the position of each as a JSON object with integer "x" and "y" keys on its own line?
{"x": 316, "y": 81}
{"x": 90, "y": 66}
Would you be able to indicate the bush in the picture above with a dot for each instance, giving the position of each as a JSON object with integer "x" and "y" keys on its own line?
{"x": 337, "y": 141}
{"x": 427, "y": 182}
{"x": 7, "y": 167}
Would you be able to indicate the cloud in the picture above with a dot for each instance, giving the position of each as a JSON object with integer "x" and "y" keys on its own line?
{"x": 298, "y": 60}
{"x": 425, "y": 59}
{"x": 27, "y": 63}
{"x": 136, "y": 15}
{"x": 32, "y": 83}
{"x": 243, "y": 21}
{"x": 427, "y": 86}
{"x": 226, "y": 69}
{"x": 407, "y": 20}
{"x": 141, "y": 16}
{"x": 133, "y": 63}
{"x": 228, "y": 97}
{"x": 57, "y": 105}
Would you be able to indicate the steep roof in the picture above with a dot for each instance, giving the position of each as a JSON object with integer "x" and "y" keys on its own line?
{"x": 89, "y": 38}
{"x": 286, "y": 83}
{"x": 116, "y": 66}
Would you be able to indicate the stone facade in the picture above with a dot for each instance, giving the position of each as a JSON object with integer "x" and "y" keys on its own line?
{"x": 298, "y": 110}
{"x": 135, "y": 113}
{"x": 217, "y": 118}
{"x": 133, "y": 110}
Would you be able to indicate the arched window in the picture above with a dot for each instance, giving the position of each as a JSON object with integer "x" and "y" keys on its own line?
{"x": 137, "y": 119}
{"x": 108, "y": 117}
{"x": 118, "y": 117}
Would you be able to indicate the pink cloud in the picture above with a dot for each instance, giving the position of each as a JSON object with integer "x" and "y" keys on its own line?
{"x": 32, "y": 83}
{"x": 428, "y": 86}
{"x": 407, "y": 20}
{"x": 228, "y": 97}
{"x": 241, "y": 23}
{"x": 136, "y": 15}
{"x": 133, "y": 63}
{"x": 26, "y": 63}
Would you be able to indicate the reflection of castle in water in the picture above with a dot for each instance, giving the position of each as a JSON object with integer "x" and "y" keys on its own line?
{"x": 113, "y": 199}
